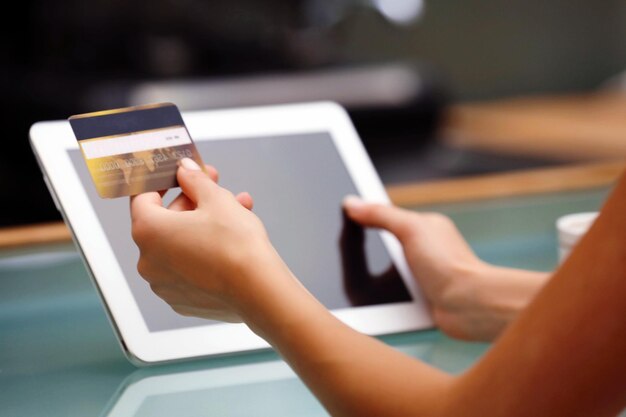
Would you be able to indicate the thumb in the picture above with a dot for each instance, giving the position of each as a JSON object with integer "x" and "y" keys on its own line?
{"x": 194, "y": 182}
{"x": 382, "y": 216}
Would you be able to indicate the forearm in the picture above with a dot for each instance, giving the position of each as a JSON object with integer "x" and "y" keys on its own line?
{"x": 510, "y": 290}
{"x": 350, "y": 373}
{"x": 502, "y": 295}
{"x": 480, "y": 303}
{"x": 353, "y": 374}
{"x": 564, "y": 355}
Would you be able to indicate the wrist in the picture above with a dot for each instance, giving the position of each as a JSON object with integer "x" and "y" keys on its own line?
{"x": 465, "y": 286}
{"x": 272, "y": 300}
{"x": 503, "y": 293}
{"x": 483, "y": 299}
{"x": 507, "y": 291}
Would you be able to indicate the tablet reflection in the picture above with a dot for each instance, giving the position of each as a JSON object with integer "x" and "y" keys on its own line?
{"x": 267, "y": 388}
{"x": 226, "y": 387}
{"x": 361, "y": 286}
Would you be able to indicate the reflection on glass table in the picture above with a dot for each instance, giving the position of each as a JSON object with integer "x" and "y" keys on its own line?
{"x": 255, "y": 388}
{"x": 243, "y": 390}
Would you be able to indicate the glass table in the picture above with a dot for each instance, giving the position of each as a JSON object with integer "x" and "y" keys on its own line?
{"x": 59, "y": 355}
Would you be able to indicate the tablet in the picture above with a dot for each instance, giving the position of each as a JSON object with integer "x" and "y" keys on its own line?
{"x": 298, "y": 162}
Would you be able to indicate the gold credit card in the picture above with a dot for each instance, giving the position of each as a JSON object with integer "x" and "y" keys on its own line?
{"x": 135, "y": 149}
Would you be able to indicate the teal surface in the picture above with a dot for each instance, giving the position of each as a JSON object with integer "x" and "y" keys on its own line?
{"x": 59, "y": 355}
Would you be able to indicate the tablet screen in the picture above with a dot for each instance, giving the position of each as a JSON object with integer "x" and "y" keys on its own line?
{"x": 298, "y": 183}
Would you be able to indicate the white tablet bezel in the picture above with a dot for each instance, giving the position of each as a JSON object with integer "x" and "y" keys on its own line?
{"x": 51, "y": 140}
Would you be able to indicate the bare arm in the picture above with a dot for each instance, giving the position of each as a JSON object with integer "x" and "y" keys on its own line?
{"x": 566, "y": 354}
{"x": 562, "y": 353}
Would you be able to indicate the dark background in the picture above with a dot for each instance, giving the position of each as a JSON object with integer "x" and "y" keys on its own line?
{"x": 66, "y": 57}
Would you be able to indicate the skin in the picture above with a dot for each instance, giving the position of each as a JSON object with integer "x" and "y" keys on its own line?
{"x": 469, "y": 298}
{"x": 208, "y": 255}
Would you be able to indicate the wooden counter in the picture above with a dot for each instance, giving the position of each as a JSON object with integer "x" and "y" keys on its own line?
{"x": 571, "y": 127}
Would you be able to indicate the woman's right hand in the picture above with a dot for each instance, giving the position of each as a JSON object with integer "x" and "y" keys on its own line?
{"x": 207, "y": 254}
{"x": 469, "y": 298}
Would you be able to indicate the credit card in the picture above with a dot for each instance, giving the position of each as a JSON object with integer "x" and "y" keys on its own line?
{"x": 133, "y": 150}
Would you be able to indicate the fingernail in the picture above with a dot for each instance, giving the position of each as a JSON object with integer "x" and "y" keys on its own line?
{"x": 353, "y": 202}
{"x": 190, "y": 164}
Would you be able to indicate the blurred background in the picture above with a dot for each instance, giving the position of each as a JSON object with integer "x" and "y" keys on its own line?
{"x": 437, "y": 89}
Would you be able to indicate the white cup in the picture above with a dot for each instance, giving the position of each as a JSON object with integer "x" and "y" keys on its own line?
{"x": 570, "y": 229}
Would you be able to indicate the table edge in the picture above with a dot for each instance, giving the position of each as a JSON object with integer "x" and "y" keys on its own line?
{"x": 509, "y": 184}
{"x": 480, "y": 187}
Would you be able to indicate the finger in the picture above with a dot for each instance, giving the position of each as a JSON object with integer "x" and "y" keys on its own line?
{"x": 144, "y": 203}
{"x": 391, "y": 218}
{"x": 352, "y": 246}
{"x": 196, "y": 185}
{"x": 356, "y": 276}
{"x": 245, "y": 199}
{"x": 181, "y": 203}
{"x": 212, "y": 172}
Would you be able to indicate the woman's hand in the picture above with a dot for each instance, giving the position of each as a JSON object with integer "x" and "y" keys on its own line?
{"x": 469, "y": 298}
{"x": 203, "y": 253}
